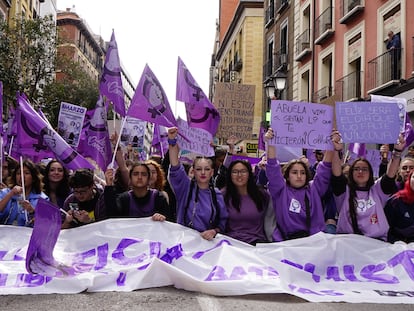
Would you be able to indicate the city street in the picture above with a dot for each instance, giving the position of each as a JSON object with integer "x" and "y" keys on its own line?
{"x": 171, "y": 299}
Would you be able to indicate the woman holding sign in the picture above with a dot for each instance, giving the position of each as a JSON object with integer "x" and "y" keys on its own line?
{"x": 297, "y": 199}
{"x": 199, "y": 204}
{"x": 359, "y": 199}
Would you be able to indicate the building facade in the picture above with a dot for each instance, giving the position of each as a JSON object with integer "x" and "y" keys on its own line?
{"x": 238, "y": 55}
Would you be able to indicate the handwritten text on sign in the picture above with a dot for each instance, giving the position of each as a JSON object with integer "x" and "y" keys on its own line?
{"x": 302, "y": 125}
{"x": 197, "y": 140}
{"x": 235, "y": 102}
{"x": 368, "y": 122}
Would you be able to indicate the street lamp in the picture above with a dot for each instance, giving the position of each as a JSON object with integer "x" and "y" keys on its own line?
{"x": 275, "y": 85}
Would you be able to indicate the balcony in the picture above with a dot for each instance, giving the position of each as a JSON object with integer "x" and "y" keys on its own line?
{"x": 322, "y": 94}
{"x": 302, "y": 45}
{"x": 278, "y": 63}
{"x": 384, "y": 71}
{"x": 323, "y": 26}
{"x": 281, "y": 5}
{"x": 348, "y": 88}
{"x": 349, "y": 9}
{"x": 270, "y": 15}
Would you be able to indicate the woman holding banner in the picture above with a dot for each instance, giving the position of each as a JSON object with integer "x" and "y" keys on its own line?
{"x": 200, "y": 205}
{"x": 399, "y": 211}
{"x": 19, "y": 200}
{"x": 359, "y": 199}
{"x": 297, "y": 199}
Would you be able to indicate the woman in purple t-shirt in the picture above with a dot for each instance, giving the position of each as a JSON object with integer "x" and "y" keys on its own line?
{"x": 296, "y": 197}
{"x": 251, "y": 216}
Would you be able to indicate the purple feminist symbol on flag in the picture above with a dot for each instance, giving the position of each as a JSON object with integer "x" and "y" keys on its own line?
{"x": 201, "y": 113}
{"x": 63, "y": 152}
{"x": 111, "y": 82}
{"x": 150, "y": 102}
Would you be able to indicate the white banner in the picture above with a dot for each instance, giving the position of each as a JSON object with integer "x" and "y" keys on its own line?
{"x": 130, "y": 254}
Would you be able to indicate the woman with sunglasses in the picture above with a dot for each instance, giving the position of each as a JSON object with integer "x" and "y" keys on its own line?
{"x": 199, "y": 204}
{"x": 360, "y": 199}
{"x": 251, "y": 216}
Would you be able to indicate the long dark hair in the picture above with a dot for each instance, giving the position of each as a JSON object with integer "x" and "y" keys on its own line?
{"x": 37, "y": 184}
{"x": 258, "y": 195}
{"x": 288, "y": 167}
{"x": 353, "y": 187}
{"x": 63, "y": 188}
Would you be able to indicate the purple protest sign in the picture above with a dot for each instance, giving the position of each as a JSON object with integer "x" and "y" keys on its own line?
{"x": 301, "y": 125}
{"x": 368, "y": 122}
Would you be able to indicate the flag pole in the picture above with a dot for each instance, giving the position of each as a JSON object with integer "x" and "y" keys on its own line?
{"x": 11, "y": 144}
{"x": 23, "y": 188}
{"x": 117, "y": 142}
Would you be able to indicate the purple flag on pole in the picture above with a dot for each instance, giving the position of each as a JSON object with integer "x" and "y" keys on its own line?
{"x": 111, "y": 82}
{"x": 409, "y": 131}
{"x": 150, "y": 102}
{"x": 201, "y": 113}
{"x": 48, "y": 136}
{"x": 95, "y": 142}
{"x": 1, "y": 109}
{"x": 160, "y": 139}
{"x": 358, "y": 148}
{"x": 261, "y": 143}
{"x": 39, "y": 256}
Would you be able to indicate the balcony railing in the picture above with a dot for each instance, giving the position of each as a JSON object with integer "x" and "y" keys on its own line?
{"x": 323, "y": 26}
{"x": 348, "y": 88}
{"x": 279, "y": 62}
{"x": 269, "y": 14}
{"x": 281, "y": 5}
{"x": 302, "y": 45}
{"x": 350, "y": 8}
{"x": 322, "y": 94}
{"x": 384, "y": 70}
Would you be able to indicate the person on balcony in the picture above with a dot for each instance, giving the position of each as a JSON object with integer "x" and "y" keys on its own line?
{"x": 394, "y": 48}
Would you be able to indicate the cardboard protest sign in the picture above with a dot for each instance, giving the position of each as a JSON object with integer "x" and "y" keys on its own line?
{"x": 235, "y": 103}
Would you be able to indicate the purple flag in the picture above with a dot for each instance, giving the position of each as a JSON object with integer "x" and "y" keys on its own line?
{"x": 111, "y": 82}
{"x": 48, "y": 136}
{"x": 95, "y": 141}
{"x": 150, "y": 102}
{"x": 27, "y": 142}
{"x": 160, "y": 139}
{"x": 262, "y": 132}
{"x": 39, "y": 256}
{"x": 201, "y": 113}
{"x": 358, "y": 148}
{"x": 409, "y": 131}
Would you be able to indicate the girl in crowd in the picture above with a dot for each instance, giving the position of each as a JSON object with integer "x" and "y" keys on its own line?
{"x": 406, "y": 167}
{"x": 359, "y": 199}
{"x": 199, "y": 205}
{"x": 14, "y": 209}
{"x": 56, "y": 181}
{"x": 251, "y": 217}
{"x": 140, "y": 201}
{"x": 399, "y": 211}
{"x": 157, "y": 179}
{"x": 297, "y": 201}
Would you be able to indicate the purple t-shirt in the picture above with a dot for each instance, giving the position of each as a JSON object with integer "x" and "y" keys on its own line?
{"x": 289, "y": 203}
{"x": 201, "y": 213}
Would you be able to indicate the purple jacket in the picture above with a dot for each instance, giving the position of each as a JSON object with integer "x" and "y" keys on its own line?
{"x": 201, "y": 215}
{"x": 289, "y": 203}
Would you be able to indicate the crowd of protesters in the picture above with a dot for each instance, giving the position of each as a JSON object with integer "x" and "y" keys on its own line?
{"x": 267, "y": 202}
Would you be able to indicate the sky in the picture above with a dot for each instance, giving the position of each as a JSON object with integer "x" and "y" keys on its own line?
{"x": 156, "y": 33}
